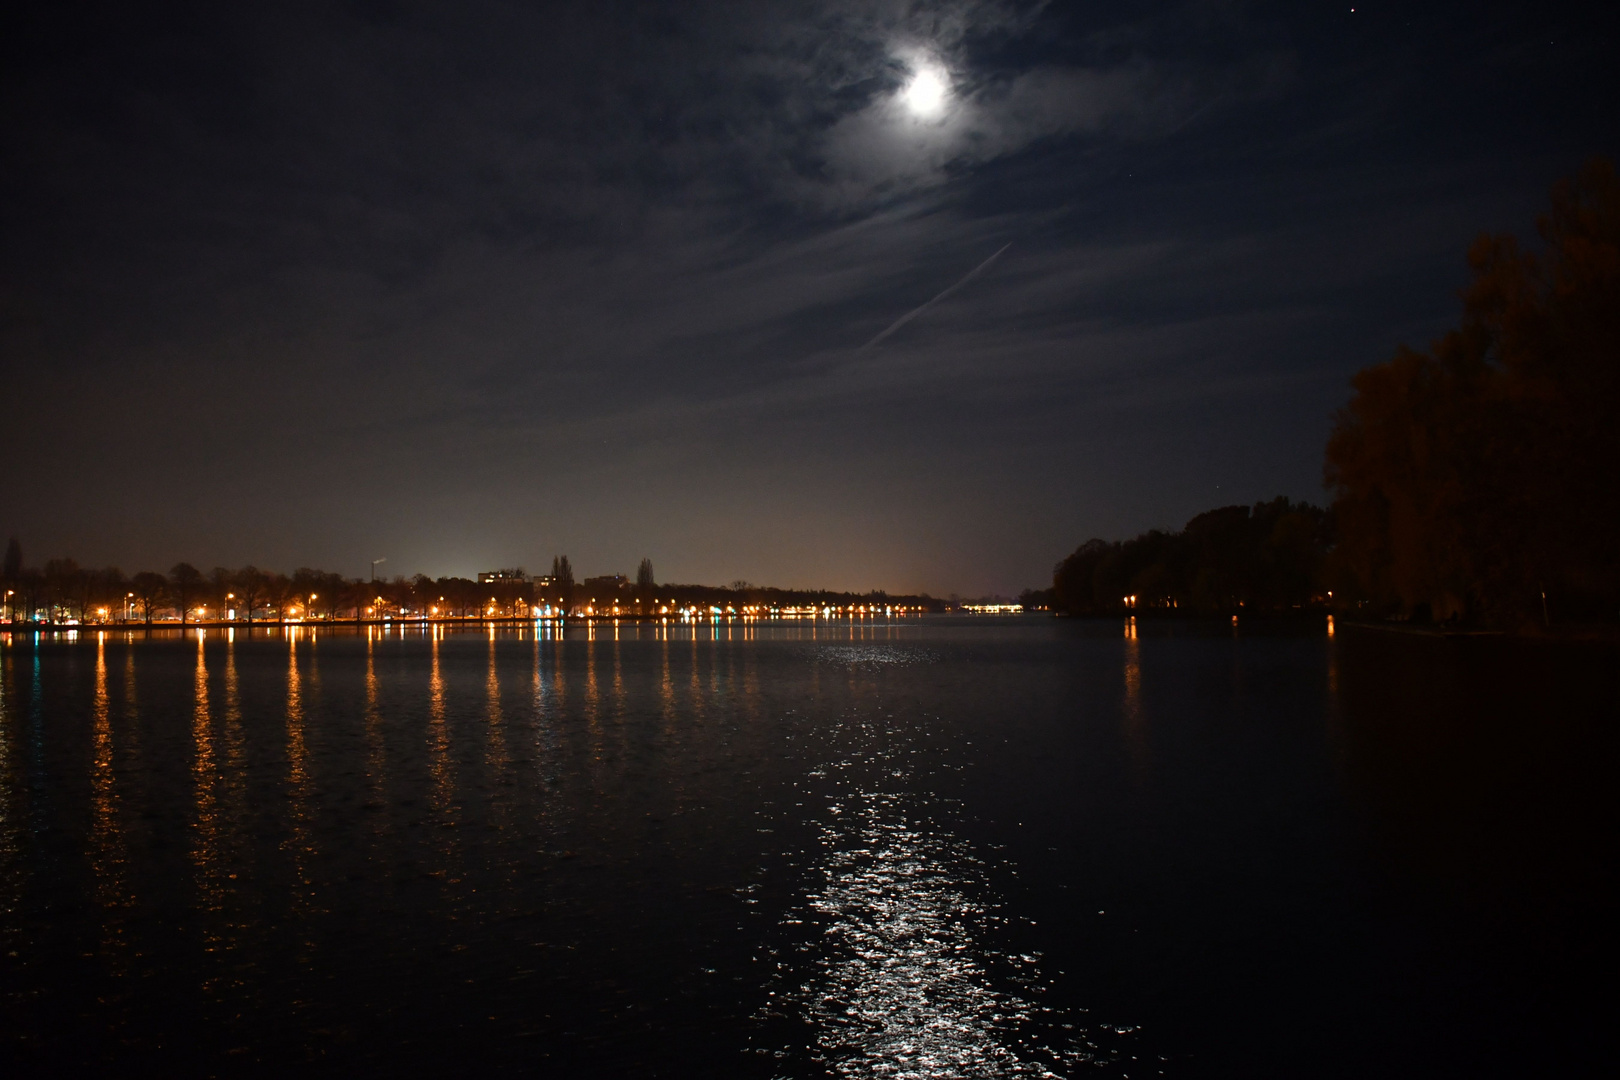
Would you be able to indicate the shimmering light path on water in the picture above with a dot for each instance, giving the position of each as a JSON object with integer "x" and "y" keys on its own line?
{"x": 902, "y": 849}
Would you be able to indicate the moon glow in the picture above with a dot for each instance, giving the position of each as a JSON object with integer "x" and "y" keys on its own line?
{"x": 926, "y": 93}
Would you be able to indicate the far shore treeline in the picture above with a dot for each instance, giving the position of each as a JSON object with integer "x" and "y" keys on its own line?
{"x": 1266, "y": 558}
{"x": 61, "y": 591}
{"x": 1477, "y": 483}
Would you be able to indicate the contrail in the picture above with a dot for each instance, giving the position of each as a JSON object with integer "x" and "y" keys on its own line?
{"x": 916, "y": 311}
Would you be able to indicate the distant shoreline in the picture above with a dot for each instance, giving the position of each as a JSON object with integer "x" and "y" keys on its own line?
{"x": 20, "y": 626}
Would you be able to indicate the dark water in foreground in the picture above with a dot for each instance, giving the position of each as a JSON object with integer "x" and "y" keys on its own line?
{"x": 930, "y": 848}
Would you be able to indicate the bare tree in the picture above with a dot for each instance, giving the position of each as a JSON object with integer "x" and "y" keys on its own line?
{"x": 29, "y": 586}
{"x": 185, "y": 581}
{"x": 250, "y": 584}
{"x": 307, "y": 586}
{"x": 148, "y": 588}
{"x": 333, "y": 593}
{"x": 278, "y": 590}
{"x": 355, "y": 593}
{"x": 107, "y": 589}
{"x": 63, "y": 584}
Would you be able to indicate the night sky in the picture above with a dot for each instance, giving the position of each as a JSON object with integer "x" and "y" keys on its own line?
{"x": 469, "y": 285}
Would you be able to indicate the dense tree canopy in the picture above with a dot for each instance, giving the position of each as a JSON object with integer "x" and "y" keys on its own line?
{"x": 1265, "y": 558}
{"x": 1474, "y": 478}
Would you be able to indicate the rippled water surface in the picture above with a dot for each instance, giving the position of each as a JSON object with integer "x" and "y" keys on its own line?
{"x": 1020, "y": 847}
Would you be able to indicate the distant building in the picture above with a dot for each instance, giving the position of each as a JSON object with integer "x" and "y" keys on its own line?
{"x": 607, "y": 582}
{"x": 512, "y": 576}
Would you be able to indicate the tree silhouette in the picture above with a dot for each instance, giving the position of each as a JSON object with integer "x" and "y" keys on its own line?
{"x": 562, "y": 572}
{"x": 249, "y": 585}
{"x": 104, "y": 589}
{"x": 64, "y": 587}
{"x": 307, "y": 584}
{"x": 148, "y": 588}
{"x": 1474, "y": 478}
{"x": 1268, "y": 557}
{"x": 185, "y": 582}
{"x": 278, "y": 593}
{"x": 644, "y": 575}
{"x": 219, "y": 590}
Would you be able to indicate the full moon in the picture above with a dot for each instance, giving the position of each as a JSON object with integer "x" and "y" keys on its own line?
{"x": 925, "y": 94}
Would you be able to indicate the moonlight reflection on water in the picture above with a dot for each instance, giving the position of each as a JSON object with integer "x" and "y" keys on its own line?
{"x": 895, "y": 966}
{"x": 905, "y": 987}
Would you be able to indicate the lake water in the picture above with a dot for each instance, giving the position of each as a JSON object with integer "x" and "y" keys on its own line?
{"x": 928, "y": 847}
